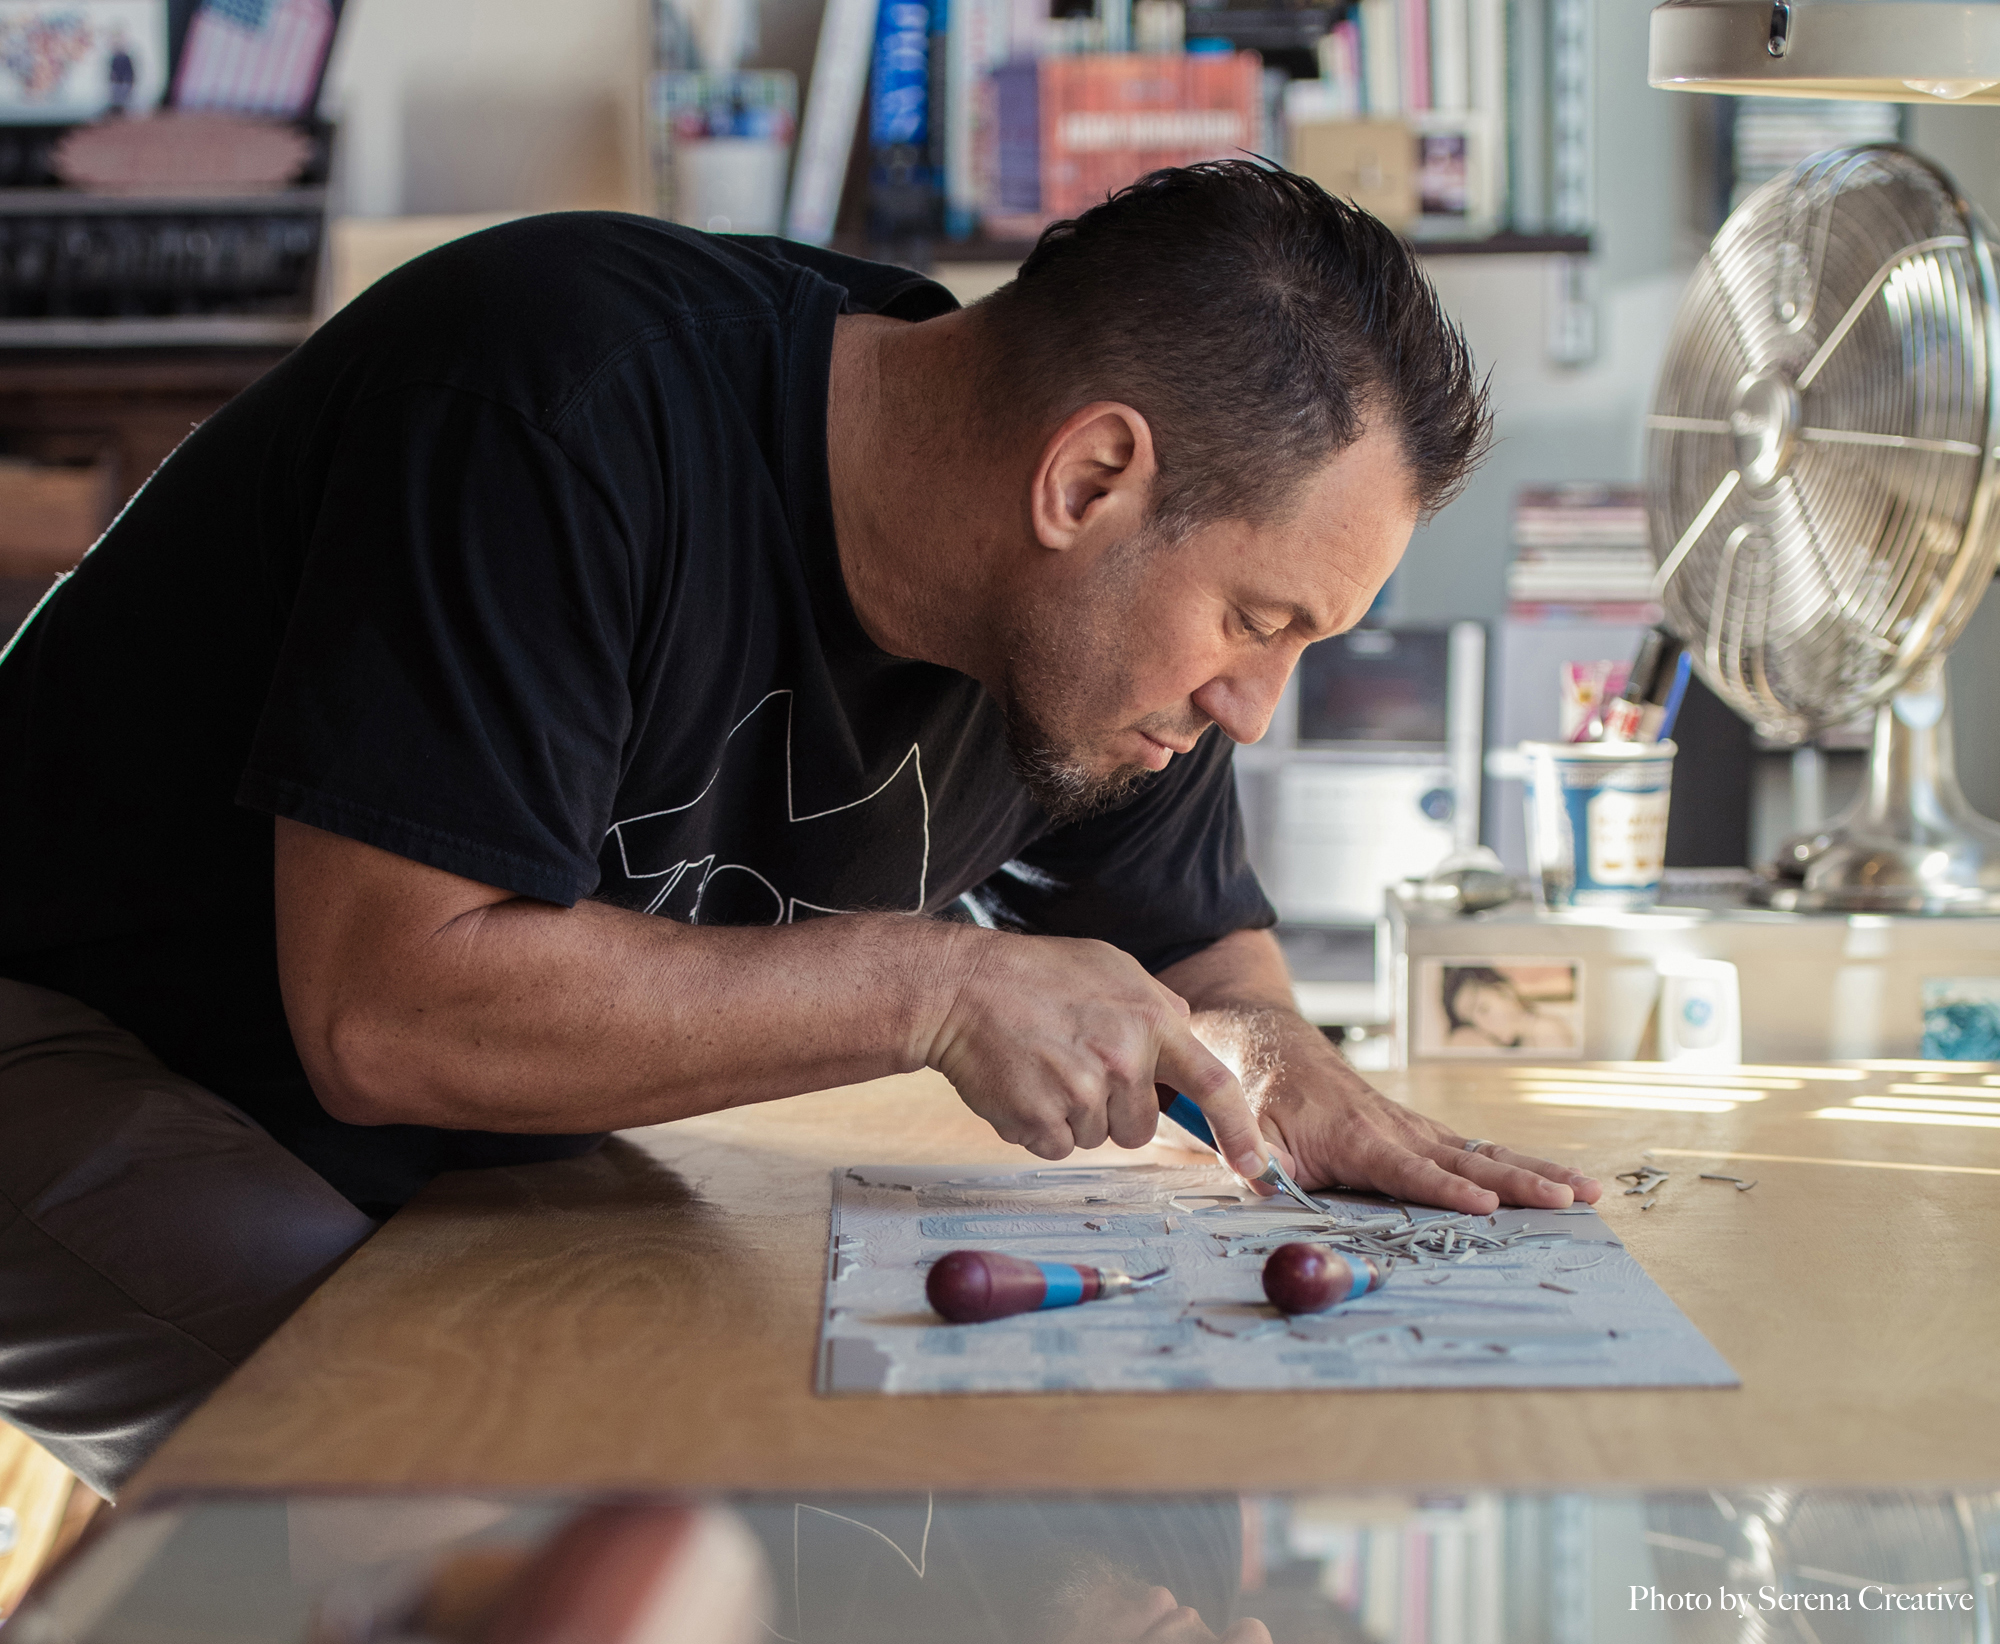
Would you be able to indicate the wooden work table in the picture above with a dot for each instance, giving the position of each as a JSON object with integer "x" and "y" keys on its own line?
{"x": 648, "y": 1317}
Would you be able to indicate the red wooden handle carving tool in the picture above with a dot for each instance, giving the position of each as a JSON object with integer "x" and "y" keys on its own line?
{"x": 970, "y": 1286}
{"x": 1308, "y": 1278}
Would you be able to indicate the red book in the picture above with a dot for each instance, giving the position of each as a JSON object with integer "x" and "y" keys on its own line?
{"x": 1108, "y": 118}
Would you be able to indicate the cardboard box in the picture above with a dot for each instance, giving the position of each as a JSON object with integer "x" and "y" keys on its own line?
{"x": 1370, "y": 162}
{"x": 50, "y": 513}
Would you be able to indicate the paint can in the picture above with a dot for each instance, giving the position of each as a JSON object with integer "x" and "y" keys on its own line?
{"x": 1597, "y": 821}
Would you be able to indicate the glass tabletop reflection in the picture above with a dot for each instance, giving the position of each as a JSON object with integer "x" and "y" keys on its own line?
{"x": 826, "y": 1568}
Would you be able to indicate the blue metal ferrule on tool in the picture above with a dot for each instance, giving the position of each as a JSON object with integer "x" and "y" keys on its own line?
{"x": 1063, "y": 1285}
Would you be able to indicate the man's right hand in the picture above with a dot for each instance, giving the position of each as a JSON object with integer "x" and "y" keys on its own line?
{"x": 1058, "y": 1042}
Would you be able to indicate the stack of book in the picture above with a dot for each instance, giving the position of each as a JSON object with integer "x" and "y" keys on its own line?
{"x": 1580, "y": 553}
{"x": 1390, "y": 57}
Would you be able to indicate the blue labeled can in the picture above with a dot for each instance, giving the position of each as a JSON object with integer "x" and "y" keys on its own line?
{"x": 1597, "y": 821}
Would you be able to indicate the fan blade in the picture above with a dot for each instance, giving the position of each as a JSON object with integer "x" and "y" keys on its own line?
{"x": 1895, "y": 442}
{"x": 1688, "y": 425}
{"x": 1697, "y": 527}
{"x": 1866, "y": 295}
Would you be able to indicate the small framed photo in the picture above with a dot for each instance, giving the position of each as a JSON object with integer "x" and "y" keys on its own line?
{"x": 1962, "y": 1019}
{"x": 1441, "y": 174}
{"x": 1524, "y": 1009}
{"x": 66, "y": 61}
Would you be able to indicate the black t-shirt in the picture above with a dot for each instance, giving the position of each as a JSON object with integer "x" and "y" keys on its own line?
{"x": 523, "y": 567}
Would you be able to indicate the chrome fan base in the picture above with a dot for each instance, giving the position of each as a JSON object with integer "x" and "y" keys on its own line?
{"x": 1910, "y": 843}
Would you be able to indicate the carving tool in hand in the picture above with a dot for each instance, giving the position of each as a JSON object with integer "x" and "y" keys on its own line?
{"x": 1183, "y": 1112}
{"x": 970, "y": 1286}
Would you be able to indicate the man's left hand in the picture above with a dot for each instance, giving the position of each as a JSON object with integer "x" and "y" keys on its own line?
{"x": 1337, "y": 1130}
{"x": 1342, "y": 1132}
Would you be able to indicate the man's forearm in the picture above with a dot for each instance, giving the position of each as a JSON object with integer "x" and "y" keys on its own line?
{"x": 519, "y": 1015}
{"x": 639, "y": 1020}
{"x": 1245, "y": 970}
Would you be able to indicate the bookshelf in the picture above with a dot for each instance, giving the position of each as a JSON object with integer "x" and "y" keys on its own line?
{"x": 63, "y": 202}
{"x": 980, "y": 249}
{"x": 1469, "y": 121}
{"x": 106, "y": 271}
{"x": 1506, "y": 244}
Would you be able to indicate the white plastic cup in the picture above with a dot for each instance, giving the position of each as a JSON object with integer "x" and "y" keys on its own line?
{"x": 730, "y": 185}
{"x": 1597, "y": 821}
{"x": 1701, "y": 1013}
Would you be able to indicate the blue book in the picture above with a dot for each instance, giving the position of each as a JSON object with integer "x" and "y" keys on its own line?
{"x": 905, "y": 180}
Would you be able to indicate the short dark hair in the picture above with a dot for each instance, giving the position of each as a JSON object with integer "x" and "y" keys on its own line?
{"x": 1256, "y": 322}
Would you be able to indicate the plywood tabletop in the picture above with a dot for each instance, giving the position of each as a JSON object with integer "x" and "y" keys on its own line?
{"x": 648, "y": 1317}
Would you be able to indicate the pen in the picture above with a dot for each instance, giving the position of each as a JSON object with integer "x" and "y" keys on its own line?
{"x": 1675, "y": 692}
{"x": 1647, "y": 682}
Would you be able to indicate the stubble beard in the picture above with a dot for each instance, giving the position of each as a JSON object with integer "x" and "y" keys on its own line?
{"x": 1066, "y": 671}
{"x": 1058, "y": 778}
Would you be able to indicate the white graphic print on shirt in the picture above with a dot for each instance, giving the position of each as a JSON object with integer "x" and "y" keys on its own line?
{"x": 719, "y": 859}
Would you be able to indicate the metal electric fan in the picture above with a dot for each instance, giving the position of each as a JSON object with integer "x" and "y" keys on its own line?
{"x": 1822, "y": 476}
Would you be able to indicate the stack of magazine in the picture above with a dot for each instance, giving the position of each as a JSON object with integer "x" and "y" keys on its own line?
{"x": 1580, "y": 552}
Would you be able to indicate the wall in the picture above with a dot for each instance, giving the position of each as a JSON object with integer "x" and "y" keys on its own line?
{"x": 1653, "y": 169}
{"x": 451, "y": 106}
{"x": 487, "y": 106}
{"x": 1551, "y": 422}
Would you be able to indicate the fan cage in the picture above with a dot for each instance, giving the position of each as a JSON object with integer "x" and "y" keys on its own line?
{"x": 1821, "y": 471}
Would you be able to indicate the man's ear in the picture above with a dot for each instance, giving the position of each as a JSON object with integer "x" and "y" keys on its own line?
{"x": 1095, "y": 478}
